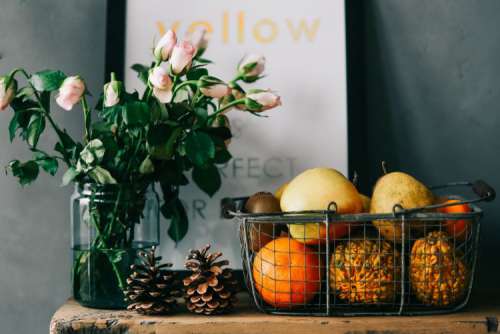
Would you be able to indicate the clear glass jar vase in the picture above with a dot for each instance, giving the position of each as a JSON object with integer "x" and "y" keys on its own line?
{"x": 110, "y": 224}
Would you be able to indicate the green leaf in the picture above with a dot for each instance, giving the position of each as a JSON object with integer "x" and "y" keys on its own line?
{"x": 222, "y": 156}
{"x": 69, "y": 176}
{"x": 102, "y": 176}
{"x": 159, "y": 134}
{"x": 23, "y": 92}
{"x": 69, "y": 149}
{"x": 199, "y": 148}
{"x": 25, "y": 172}
{"x": 139, "y": 67}
{"x": 35, "y": 129}
{"x": 179, "y": 223}
{"x": 13, "y": 126}
{"x": 136, "y": 113}
{"x": 47, "y": 81}
{"x": 196, "y": 73}
{"x": 45, "y": 99}
{"x": 208, "y": 179}
{"x": 179, "y": 110}
{"x": 101, "y": 128}
{"x": 142, "y": 72}
{"x": 22, "y": 104}
{"x": 221, "y": 132}
{"x": 165, "y": 152}
{"x": 46, "y": 162}
{"x": 50, "y": 165}
{"x": 201, "y": 114}
{"x": 204, "y": 61}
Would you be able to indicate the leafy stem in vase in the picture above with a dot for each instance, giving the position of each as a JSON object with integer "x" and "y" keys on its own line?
{"x": 132, "y": 142}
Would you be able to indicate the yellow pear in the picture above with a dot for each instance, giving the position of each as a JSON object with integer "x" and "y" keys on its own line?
{"x": 315, "y": 189}
{"x": 398, "y": 188}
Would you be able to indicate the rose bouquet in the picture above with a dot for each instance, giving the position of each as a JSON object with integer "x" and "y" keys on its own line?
{"x": 131, "y": 142}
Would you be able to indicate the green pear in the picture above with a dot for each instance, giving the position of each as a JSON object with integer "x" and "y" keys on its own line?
{"x": 398, "y": 188}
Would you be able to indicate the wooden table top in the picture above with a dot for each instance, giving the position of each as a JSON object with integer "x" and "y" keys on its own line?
{"x": 72, "y": 318}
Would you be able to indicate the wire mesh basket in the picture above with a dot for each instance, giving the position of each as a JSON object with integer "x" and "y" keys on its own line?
{"x": 293, "y": 266}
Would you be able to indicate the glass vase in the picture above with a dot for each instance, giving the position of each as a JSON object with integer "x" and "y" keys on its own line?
{"x": 110, "y": 224}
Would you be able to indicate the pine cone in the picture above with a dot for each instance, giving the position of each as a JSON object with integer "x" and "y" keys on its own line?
{"x": 209, "y": 289}
{"x": 151, "y": 288}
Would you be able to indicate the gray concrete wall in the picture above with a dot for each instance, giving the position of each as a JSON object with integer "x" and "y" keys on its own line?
{"x": 34, "y": 221}
{"x": 431, "y": 91}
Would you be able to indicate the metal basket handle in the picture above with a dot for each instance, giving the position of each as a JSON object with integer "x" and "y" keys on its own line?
{"x": 484, "y": 192}
{"x": 230, "y": 207}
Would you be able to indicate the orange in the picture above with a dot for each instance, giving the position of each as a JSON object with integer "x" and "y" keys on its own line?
{"x": 287, "y": 273}
{"x": 458, "y": 229}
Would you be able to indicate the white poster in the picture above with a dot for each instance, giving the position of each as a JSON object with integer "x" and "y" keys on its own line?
{"x": 304, "y": 44}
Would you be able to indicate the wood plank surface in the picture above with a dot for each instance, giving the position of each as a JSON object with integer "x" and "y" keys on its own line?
{"x": 72, "y": 318}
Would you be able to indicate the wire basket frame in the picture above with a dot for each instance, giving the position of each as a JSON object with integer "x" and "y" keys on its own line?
{"x": 326, "y": 264}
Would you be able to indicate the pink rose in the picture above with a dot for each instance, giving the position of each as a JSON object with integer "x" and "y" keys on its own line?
{"x": 162, "y": 84}
{"x": 262, "y": 100}
{"x": 70, "y": 92}
{"x": 216, "y": 91}
{"x": 7, "y": 94}
{"x": 159, "y": 78}
{"x": 165, "y": 46}
{"x": 213, "y": 87}
{"x": 182, "y": 55}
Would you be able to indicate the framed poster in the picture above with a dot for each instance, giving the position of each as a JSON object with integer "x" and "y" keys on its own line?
{"x": 304, "y": 44}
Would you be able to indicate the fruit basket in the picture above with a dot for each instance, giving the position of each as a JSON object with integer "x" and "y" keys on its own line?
{"x": 423, "y": 265}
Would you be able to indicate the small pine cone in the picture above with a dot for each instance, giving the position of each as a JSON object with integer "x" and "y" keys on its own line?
{"x": 152, "y": 288}
{"x": 209, "y": 289}
{"x": 438, "y": 274}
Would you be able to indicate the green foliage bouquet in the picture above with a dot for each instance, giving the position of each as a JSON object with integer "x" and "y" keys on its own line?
{"x": 132, "y": 141}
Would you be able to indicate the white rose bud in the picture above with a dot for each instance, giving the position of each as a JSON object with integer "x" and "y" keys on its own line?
{"x": 182, "y": 56}
{"x": 164, "y": 48}
{"x": 70, "y": 92}
{"x": 7, "y": 94}
{"x": 213, "y": 87}
{"x": 251, "y": 67}
{"x": 112, "y": 91}
{"x": 262, "y": 100}
{"x": 162, "y": 84}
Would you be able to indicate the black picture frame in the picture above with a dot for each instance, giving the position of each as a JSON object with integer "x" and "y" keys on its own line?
{"x": 115, "y": 62}
{"x": 115, "y": 37}
{"x": 356, "y": 139}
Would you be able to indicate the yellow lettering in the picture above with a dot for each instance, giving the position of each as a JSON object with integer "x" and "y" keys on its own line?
{"x": 241, "y": 27}
{"x": 203, "y": 24}
{"x": 162, "y": 30}
{"x": 296, "y": 32}
{"x": 175, "y": 26}
{"x": 225, "y": 27}
{"x": 271, "y": 36}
